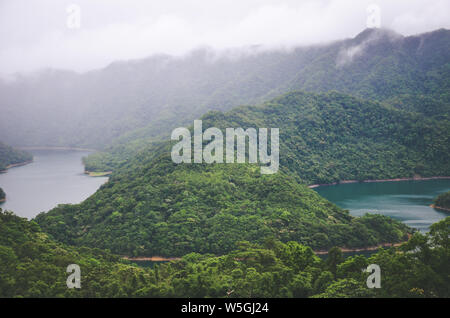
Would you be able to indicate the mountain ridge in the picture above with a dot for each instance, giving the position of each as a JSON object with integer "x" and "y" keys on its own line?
{"x": 152, "y": 206}
{"x": 127, "y": 101}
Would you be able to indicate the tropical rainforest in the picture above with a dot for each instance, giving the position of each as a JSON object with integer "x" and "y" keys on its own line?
{"x": 380, "y": 114}
{"x": 329, "y": 137}
{"x": 34, "y": 265}
{"x": 156, "y": 207}
{"x": 123, "y": 107}
{"x": 161, "y": 208}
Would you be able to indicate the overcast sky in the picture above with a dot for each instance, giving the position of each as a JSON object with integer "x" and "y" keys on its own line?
{"x": 43, "y": 33}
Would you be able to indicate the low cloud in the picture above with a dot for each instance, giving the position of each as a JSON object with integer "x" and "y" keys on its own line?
{"x": 35, "y": 35}
{"x": 348, "y": 54}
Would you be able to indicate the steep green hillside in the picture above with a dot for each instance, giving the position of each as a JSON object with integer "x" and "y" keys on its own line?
{"x": 10, "y": 156}
{"x": 33, "y": 265}
{"x": 161, "y": 208}
{"x": 416, "y": 269}
{"x": 2, "y": 195}
{"x": 152, "y": 206}
{"x": 412, "y": 73}
{"x": 409, "y": 73}
{"x": 330, "y": 137}
{"x": 145, "y": 99}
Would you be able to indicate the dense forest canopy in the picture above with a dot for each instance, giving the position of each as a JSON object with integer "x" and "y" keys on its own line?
{"x": 33, "y": 265}
{"x": 152, "y": 206}
{"x": 326, "y": 138}
{"x": 10, "y": 156}
{"x": 160, "y": 208}
{"x": 381, "y": 113}
{"x": 330, "y": 137}
{"x": 410, "y": 74}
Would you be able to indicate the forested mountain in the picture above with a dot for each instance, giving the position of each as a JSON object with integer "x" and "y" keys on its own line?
{"x": 145, "y": 99}
{"x": 330, "y": 137}
{"x": 33, "y": 265}
{"x": 411, "y": 74}
{"x": 152, "y": 206}
{"x": 377, "y": 108}
{"x": 10, "y": 156}
{"x": 161, "y": 208}
{"x": 2, "y": 195}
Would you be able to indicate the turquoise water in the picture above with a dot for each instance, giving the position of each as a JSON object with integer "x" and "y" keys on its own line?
{"x": 407, "y": 201}
{"x": 54, "y": 177}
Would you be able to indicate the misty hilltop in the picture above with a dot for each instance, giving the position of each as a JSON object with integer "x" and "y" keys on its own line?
{"x": 145, "y": 99}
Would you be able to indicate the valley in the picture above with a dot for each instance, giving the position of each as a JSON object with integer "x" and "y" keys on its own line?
{"x": 359, "y": 146}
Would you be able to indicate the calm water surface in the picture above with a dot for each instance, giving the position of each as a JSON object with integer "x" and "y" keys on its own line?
{"x": 55, "y": 177}
{"x": 407, "y": 201}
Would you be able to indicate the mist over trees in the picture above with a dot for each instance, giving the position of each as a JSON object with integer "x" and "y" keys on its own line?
{"x": 145, "y": 99}
{"x": 372, "y": 107}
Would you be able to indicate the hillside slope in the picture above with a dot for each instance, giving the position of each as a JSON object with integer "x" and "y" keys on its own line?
{"x": 330, "y": 137}
{"x": 145, "y": 99}
{"x": 33, "y": 265}
{"x": 161, "y": 208}
{"x": 152, "y": 206}
{"x": 408, "y": 73}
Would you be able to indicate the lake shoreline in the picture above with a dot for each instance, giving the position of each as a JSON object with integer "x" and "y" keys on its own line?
{"x": 362, "y": 249}
{"x": 439, "y": 208}
{"x": 151, "y": 259}
{"x": 97, "y": 174}
{"x": 89, "y": 173}
{"x": 52, "y": 178}
{"x": 16, "y": 165}
{"x": 312, "y": 186}
{"x": 318, "y": 252}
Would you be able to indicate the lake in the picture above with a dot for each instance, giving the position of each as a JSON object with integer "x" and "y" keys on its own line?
{"x": 54, "y": 177}
{"x": 407, "y": 201}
